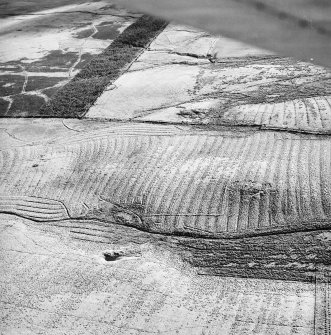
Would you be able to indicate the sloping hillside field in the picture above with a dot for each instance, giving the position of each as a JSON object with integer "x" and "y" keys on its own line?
{"x": 174, "y": 183}
{"x": 185, "y": 182}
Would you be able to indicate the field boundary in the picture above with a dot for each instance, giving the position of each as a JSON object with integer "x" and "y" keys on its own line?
{"x": 323, "y": 301}
{"x": 75, "y": 99}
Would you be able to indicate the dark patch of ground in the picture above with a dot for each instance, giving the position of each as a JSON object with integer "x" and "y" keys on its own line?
{"x": 294, "y": 256}
{"x": 55, "y": 59}
{"x": 10, "y": 84}
{"x": 10, "y": 66}
{"x": 41, "y": 82}
{"x": 75, "y": 99}
{"x": 49, "y": 92}
{"x": 23, "y": 104}
{"x": 4, "y": 104}
{"x": 85, "y": 58}
{"x": 105, "y": 23}
{"x": 84, "y": 33}
{"x": 110, "y": 6}
{"x": 105, "y": 32}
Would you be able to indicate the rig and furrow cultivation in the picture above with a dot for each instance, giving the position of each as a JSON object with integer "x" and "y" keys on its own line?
{"x": 216, "y": 184}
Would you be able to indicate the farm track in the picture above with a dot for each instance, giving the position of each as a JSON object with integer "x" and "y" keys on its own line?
{"x": 323, "y": 301}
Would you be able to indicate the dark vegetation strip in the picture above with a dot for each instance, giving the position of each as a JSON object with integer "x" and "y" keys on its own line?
{"x": 75, "y": 98}
{"x": 295, "y": 256}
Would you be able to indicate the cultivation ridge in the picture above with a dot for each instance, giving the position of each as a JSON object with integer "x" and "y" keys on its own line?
{"x": 175, "y": 181}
